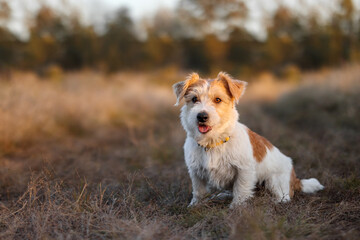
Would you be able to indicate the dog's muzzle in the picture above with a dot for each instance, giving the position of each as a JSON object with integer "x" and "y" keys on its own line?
{"x": 202, "y": 117}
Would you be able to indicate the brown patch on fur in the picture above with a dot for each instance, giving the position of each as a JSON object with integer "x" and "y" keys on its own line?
{"x": 196, "y": 84}
{"x": 180, "y": 88}
{"x": 224, "y": 108}
{"x": 259, "y": 145}
{"x": 295, "y": 183}
{"x": 218, "y": 89}
{"x": 235, "y": 87}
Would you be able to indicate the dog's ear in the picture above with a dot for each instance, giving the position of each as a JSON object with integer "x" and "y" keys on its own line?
{"x": 181, "y": 87}
{"x": 236, "y": 87}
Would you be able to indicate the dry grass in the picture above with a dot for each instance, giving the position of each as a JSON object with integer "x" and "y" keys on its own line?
{"x": 100, "y": 157}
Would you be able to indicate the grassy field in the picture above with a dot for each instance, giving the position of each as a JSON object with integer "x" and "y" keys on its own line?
{"x": 90, "y": 156}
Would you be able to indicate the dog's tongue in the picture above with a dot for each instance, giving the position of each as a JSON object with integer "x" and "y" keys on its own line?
{"x": 204, "y": 128}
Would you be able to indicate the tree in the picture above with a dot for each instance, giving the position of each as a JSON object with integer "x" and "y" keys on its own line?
{"x": 218, "y": 17}
{"x": 283, "y": 36}
{"x": 120, "y": 45}
{"x": 46, "y": 35}
{"x": 81, "y": 47}
{"x": 8, "y": 42}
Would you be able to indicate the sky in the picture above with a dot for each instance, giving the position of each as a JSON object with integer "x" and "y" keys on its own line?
{"x": 97, "y": 11}
{"x": 139, "y": 8}
{"x": 92, "y": 11}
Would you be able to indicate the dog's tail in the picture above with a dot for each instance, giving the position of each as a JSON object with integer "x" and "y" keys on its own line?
{"x": 305, "y": 185}
{"x": 310, "y": 185}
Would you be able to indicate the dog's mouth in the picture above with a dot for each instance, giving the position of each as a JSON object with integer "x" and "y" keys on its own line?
{"x": 204, "y": 128}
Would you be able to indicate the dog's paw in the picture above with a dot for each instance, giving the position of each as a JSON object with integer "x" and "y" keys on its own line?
{"x": 283, "y": 199}
{"x": 223, "y": 196}
{"x": 238, "y": 204}
{"x": 193, "y": 203}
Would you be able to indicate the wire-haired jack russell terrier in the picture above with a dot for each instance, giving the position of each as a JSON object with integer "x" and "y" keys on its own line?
{"x": 224, "y": 154}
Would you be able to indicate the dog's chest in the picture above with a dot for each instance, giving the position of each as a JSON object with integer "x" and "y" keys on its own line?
{"x": 216, "y": 170}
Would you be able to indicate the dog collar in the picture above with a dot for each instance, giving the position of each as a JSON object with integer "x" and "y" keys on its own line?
{"x": 209, "y": 146}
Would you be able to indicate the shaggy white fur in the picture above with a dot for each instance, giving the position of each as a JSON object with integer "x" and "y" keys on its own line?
{"x": 231, "y": 165}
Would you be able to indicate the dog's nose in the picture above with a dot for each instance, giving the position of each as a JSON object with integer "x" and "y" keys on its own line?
{"x": 202, "y": 116}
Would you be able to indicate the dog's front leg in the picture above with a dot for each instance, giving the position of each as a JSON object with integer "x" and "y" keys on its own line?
{"x": 243, "y": 186}
{"x": 199, "y": 189}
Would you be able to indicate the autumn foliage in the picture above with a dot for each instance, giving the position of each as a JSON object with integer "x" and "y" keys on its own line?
{"x": 196, "y": 35}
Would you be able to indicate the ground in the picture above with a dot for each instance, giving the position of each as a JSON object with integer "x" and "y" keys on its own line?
{"x": 100, "y": 157}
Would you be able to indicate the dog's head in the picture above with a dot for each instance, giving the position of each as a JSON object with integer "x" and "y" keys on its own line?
{"x": 209, "y": 111}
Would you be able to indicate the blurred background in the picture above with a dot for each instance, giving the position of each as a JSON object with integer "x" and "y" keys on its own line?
{"x": 91, "y": 144}
{"x": 283, "y": 37}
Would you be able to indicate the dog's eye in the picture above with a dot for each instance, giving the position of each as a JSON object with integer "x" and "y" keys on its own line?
{"x": 194, "y": 99}
{"x": 217, "y": 100}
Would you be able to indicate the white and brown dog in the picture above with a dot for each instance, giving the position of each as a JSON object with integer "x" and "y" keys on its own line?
{"x": 220, "y": 152}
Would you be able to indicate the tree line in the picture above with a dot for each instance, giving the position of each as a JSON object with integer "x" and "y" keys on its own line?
{"x": 202, "y": 35}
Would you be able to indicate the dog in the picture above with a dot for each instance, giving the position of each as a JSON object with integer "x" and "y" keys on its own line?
{"x": 221, "y": 153}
